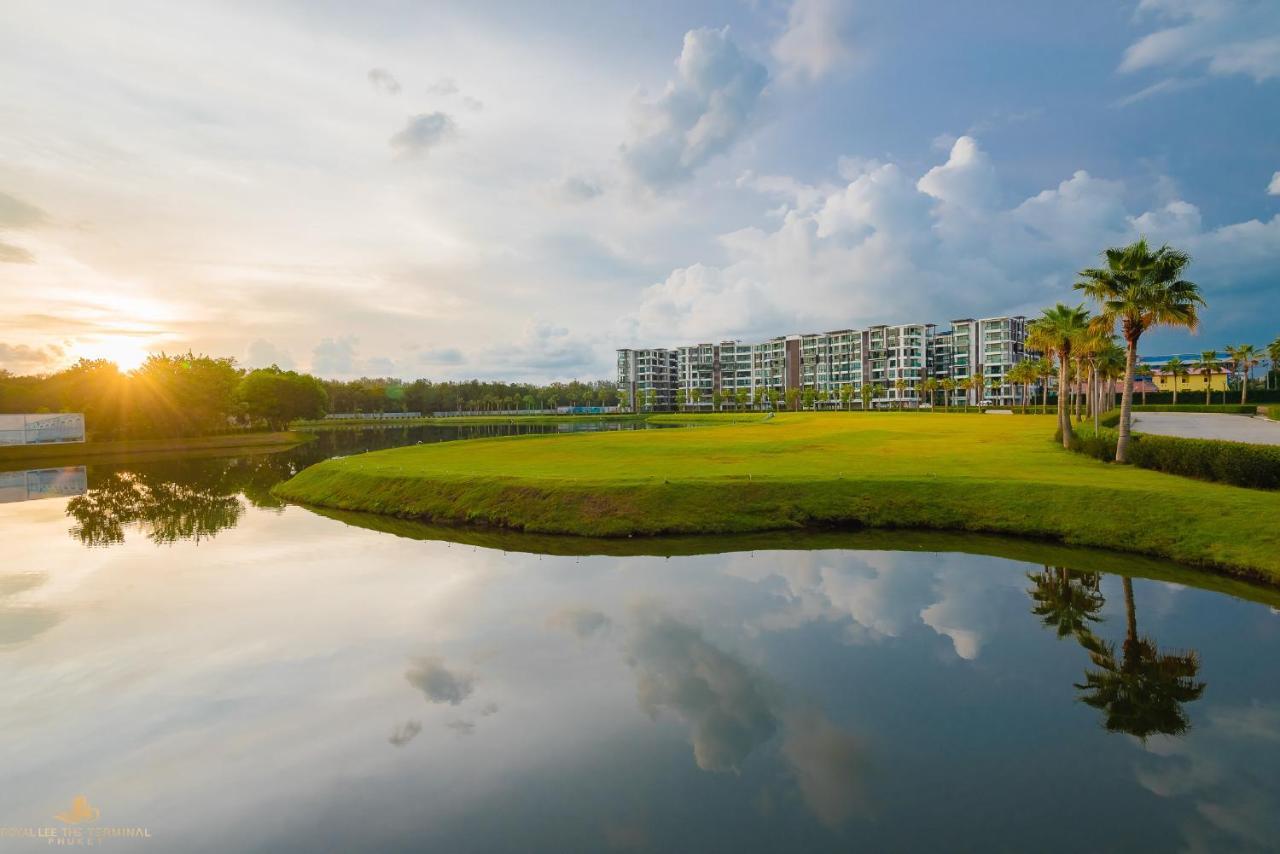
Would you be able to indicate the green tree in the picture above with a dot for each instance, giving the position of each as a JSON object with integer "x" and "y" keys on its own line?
{"x": 793, "y": 399}
{"x": 1144, "y": 373}
{"x": 930, "y": 389}
{"x": 900, "y": 387}
{"x": 276, "y": 397}
{"x": 866, "y": 392}
{"x": 948, "y": 386}
{"x": 846, "y": 392}
{"x": 1058, "y": 328}
{"x": 1139, "y": 289}
{"x": 740, "y": 397}
{"x": 810, "y": 397}
{"x": 717, "y": 398}
{"x": 1273, "y": 353}
{"x": 1245, "y": 359}
{"x": 695, "y": 396}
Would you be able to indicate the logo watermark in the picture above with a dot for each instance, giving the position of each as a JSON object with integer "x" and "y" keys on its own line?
{"x": 77, "y": 828}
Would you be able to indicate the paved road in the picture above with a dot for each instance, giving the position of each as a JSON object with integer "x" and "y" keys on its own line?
{"x": 1233, "y": 428}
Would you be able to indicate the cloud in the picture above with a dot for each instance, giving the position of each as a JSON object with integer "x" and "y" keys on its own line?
{"x": 422, "y": 133}
{"x": 829, "y": 765}
{"x": 475, "y": 105}
{"x": 404, "y": 733}
{"x": 15, "y": 213}
{"x": 20, "y": 358}
{"x": 544, "y": 348}
{"x": 262, "y": 353}
{"x": 816, "y": 40}
{"x": 462, "y": 727}
{"x": 10, "y": 254}
{"x": 583, "y": 623}
{"x": 1163, "y": 87}
{"x": 438, "y": 683}
{"x": 1273, "y": 188}
{"x": 443, "y": 86}
{"x": 701, "y": 113}
{"x": 442, "y": 356}
{"x": 383, "y": 81}
{"x": 579, "y": 188}
{"x": 1225, "y": 36}
{"x": 334, "y": 357}
{"x": 886, "y": 247}
{"x": 726, "y": 705}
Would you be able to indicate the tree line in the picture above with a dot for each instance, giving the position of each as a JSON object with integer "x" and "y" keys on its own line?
{"x": 192, "y": 395}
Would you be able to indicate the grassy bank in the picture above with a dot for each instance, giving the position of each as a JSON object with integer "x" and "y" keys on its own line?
{"x": 887, "y": 470}
{"x": 231, "y": 443}
{"x": 458, "y": 421}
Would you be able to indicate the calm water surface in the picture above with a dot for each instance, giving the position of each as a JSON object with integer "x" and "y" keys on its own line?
{"x": 231, "y": 674}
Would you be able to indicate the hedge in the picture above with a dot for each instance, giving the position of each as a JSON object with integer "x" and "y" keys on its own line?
{"x": 1236, "y": 463}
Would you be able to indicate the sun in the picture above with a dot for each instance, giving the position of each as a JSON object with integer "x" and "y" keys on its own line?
{"x": 128, "y": 352}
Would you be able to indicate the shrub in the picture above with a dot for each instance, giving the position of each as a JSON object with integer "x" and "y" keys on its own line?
{"x": 1236, "y": 463}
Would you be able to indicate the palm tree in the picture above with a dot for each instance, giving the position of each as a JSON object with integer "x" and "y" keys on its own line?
{"x": 1144, "y": 373}
{"x": 1245, "y": 358}
{"x": 1176, "y": 369}
{"x": 1067, "y": 601}
{"x": 1140, "y": 289}
{"x": 948, "y": 386}
{"x": 1273, "y": 353}
{"x": 975, "y": 383}
{"x": 740, "y": 398}
{"x": 1023, "y": 374}
{"x": 1142, "y": 691}
{"x": 846, "y": 392}
{"x": 930, "y": 387}
{"x": 900, "y": 386}
{"x": 1109, "y": 365}
{"x": 1057, "y": 328}
{"x": 994, "y": 384}
{"x": 1207, "y": 365}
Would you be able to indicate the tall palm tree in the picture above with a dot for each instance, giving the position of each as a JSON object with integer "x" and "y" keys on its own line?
{"x": 1023, "y": 374}
{"x": 1110, "y": 367}
{"x": 975, "y": 383}
{"x": 1058, "y": 328}
{"x": 1139, "y": 289}
{"x": 948, "y": 385}
{"x": 1207, "y": 365}
{"x": 900, "y": 386}
{"x": 994, "y": 385}
{"x": 1040, "y": 341}
{"x": 1273, "y": 353}
{"x": 1245, "y": 358}
{"x": 1176, "y": 369}
{"x": 1141, "y": 692}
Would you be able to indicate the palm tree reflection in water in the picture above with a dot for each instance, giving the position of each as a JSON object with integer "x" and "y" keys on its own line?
{"x": 1141, "y": 691}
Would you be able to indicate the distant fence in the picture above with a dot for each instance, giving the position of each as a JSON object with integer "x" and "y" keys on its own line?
{"x": 559, "y": 410}
{"x": 41, "y": 429}
{"x": 371, "y": 416}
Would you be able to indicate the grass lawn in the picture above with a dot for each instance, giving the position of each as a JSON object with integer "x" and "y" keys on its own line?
{"x": 995, "y": 474}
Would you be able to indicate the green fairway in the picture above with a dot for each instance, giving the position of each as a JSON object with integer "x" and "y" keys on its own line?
{"x": 997, "y": 474}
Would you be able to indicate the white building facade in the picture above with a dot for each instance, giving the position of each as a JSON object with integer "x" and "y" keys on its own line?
{"x": 828, "y": 370}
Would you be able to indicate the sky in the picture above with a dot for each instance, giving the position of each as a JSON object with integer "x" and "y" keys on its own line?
{"x": 514, "y": 190}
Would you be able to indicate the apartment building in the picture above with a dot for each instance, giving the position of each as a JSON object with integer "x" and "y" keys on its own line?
{"x": 648, "y": 377}
{"x": 894, "y": 360}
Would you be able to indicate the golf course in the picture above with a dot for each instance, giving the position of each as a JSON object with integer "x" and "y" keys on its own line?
{"x": 960, "y": 472}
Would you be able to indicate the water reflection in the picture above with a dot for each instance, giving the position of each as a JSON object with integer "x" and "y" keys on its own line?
{"x": 35, "y": 484}
{"x": 196, "y": 498}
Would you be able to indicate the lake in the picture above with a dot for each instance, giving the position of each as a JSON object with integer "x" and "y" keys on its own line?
{"x": 185, "y": 657}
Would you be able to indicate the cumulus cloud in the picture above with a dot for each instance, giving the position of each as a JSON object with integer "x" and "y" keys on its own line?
{"x": 701, "y": 113}
{"x": 544, "y": 348}
{"x": 829, "y": 764}
{"x": 263, "y": 353}
{"x": 1274, "y": 187}
{"x": 886, "y": 247}
{"x": 816, "y": 39}
{"x": 22, "y": 359}
{"x": 383, "y": 81}
{"x": 443, "y": 86}
{"x": 580, "y": 188}
{"x": 404, "y": 733}
{"x": 438, "y": 683}
{"x": 1224, "y": 36}
{"x": 422, "y": 133}
{"x": 334, "y": 357}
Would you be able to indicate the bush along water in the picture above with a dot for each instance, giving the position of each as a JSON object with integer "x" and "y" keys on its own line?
{"x": 1235, "y": 463}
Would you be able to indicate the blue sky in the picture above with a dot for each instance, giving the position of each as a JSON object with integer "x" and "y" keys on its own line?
{"x": 514, "y": 189}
